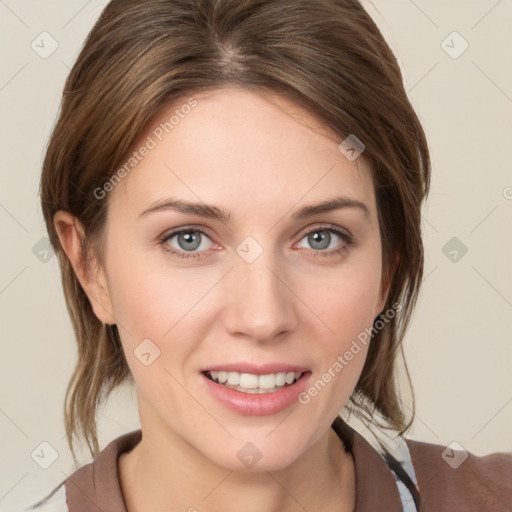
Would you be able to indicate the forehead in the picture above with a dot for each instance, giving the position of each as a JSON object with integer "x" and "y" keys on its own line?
{"x": 235, "y": 144}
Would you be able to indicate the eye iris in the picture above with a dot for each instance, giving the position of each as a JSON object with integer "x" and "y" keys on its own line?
{"x": 320, "y": 236}
{"x": 189, "y": 237}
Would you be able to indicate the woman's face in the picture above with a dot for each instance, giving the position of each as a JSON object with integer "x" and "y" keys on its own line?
{"x": 268, "y": 288}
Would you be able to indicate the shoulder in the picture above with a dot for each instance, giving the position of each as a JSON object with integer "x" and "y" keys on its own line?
{"x": 450, "y": 479}
{"x": 96, "y": 482}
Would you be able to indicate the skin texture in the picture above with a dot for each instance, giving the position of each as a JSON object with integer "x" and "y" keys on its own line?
{"x": 260, "y": 157}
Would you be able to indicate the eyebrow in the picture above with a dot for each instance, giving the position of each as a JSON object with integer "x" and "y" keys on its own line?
{"x": 216, "y": 213}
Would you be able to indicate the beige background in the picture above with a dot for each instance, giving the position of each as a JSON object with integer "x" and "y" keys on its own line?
{"x": 459, "y": 346}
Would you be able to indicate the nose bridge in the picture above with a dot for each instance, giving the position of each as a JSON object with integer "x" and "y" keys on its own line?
{"x": 260, "y": 305}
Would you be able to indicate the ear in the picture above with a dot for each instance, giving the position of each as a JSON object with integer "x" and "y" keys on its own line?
{"x": 91, "y": 277}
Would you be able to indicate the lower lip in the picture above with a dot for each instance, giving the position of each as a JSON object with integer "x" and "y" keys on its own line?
{"x": 250, "y": 404}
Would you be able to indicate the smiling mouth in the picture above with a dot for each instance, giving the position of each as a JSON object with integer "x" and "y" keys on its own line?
{"x": 254, "y": 384}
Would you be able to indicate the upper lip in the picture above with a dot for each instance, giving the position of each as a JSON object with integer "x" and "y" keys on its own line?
{"x": 257, "y": 369}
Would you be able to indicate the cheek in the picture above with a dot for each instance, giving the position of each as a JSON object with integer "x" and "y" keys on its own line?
{"x": 347, "y": 299}
{"x": 156, "y": 304}
{"x": 150, "y": 297}
{"x": 345, "y": 311}
{"x": 169, "y": 306}
{"x": 154, "y": 299}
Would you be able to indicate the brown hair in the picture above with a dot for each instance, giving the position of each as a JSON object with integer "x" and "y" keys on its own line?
{"x": 326, "y": 55}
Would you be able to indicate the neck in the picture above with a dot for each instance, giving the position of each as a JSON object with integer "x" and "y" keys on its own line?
{"x": 170, "y": 475}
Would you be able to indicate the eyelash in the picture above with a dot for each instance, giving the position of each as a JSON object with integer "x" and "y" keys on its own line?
{"x": 349, "y": 242}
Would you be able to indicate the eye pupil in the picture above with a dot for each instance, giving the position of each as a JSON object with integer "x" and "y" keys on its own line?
{"x": 189, "y": 237}
{"x": 322, "y": 236}
{"x": 190, "y": 240}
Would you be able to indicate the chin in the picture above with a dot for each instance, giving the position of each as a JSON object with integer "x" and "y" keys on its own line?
{"x": 246, "y": 453}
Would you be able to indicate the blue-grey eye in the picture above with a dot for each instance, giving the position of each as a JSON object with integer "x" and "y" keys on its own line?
{"x": 324, "y": 238}
{"x": 187, "y": 240}
{"x": 319, "y": 239}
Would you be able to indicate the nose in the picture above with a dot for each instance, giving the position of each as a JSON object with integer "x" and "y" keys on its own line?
{"x": 260, "y": 303}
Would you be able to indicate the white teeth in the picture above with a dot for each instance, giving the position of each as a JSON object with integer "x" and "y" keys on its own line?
{"x": 233, "y": 378}
{"x": 280, "y": 379}
{"x": 290, "y": 377}
{"x": 249, "y": 381}
{"x": 267, "y": 381}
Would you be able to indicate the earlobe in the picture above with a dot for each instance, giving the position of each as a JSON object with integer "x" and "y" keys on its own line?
{"x": 71, "y": 234}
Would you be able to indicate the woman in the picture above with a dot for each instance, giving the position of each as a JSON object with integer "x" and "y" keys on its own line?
{"x": 234, "y": 191}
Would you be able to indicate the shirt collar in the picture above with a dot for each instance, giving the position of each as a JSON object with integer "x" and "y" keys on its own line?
{"x": 96, "y": 486}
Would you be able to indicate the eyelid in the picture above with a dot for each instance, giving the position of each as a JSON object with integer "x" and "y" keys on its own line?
{"x": 321, "y": 227}
{"x": 303, "y": 232}
{"x": 191, "y": 227}
{"x": 342, "y": 233}
{"x": 166, "y": 236}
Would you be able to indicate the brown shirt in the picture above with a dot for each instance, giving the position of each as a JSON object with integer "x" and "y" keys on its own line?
{"x": 480, "y": 483}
